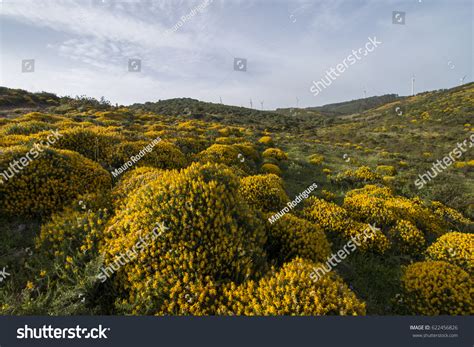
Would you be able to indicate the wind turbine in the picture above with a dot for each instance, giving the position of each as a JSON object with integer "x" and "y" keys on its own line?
{"x": 413, "y": 84}
{"x": 220, "y": 99}
{"x": 365, "y": 94}
{"x": 251, "y": 103}
{"x": 461, "y": 80}
{"x": 261, "y": 103}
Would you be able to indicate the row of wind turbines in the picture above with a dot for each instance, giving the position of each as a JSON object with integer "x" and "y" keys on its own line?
{"x": 461, "y": 82}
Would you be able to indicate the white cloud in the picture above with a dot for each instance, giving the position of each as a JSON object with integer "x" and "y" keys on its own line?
{"x": 82, "y": 47}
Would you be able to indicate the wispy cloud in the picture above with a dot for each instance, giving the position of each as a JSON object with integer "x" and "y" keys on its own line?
{"x": 82, "y": 47}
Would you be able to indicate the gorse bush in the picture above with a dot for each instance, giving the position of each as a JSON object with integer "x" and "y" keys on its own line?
{"x": 163, "y": 155}
{"x": 455, "y": 248}
{"x": 132, "y": 180}
{"x": 264, "y": 192}
{"x": 74, "y": 231}
{"x": 291, "y": 237}
{"x": 26, "y": 128}
{"x": 437, "y": 288}
{"x": 275, "y": 153}
{"x": 223, "y": 154}
{"x": 187, "y": 202}
{"x": 266, "y": 140}
{"x": 361, "y": 175}
{"x": 271, "y": 169}
{"x": 373, "y": 204}
{"x": 290, "y": 291}
{"x": 335, "y": 220}
{"x": 407, "y": 238}
{"x": 49, "y": 182}
{"x": 92, "y": 143}
{"x": 450, "y": 217}
{"x": 385, "y": 170}
{"x": 316, "y": 159}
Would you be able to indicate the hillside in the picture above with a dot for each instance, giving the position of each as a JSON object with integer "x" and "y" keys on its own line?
{"x": 212, "y": 112}
{"x": 347, "y": 107}
{"x": 181, "y": 207}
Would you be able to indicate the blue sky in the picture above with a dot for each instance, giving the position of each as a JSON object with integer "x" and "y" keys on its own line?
{"x": 83, "y": 47}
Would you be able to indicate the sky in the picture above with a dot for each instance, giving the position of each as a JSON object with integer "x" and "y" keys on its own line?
{"x": 149, "y": 50}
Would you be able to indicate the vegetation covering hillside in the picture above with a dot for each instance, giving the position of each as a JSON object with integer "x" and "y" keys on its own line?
{"x": 349, "y": 107}
{"x": 168, "y": 208}
{"x": 223, "y": 114}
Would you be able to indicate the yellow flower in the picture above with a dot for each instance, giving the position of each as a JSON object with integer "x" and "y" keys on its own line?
{"x": 435, "y": 288}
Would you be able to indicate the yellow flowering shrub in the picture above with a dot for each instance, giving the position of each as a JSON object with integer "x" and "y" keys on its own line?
{"x": 227, "y": 140}
{"x": 271, "y": 169}
{"x": 386, "y": 170}
{"x": 403, "y": 163}
{"x": 223, "y": 154}
{"x": 264, "y": 192}
{"x": 388, "y": 180}
{"x": 336, "y": 220}
{"x": 266, "y": 140}
{"x": 455, "y": 248}
{"x": 371, "y": 240}
{"x": 291, "y": 237}
{"x": 451, "y": 217}
{"x": 163, "y": 155}
{"x": 275, "y": 153}
{"x": 291, "y": 291}
{"x": 16, "y": 140}
{"x": 210, "y": 233}
{"x": 186, "y": 297}
{"x": 316, "y": 159}
{"x": 41, "y": 117}
{"x": 328, "y": 215}
{"x": 49, "y": 182}
{"x": 407, "y": 237}
{"x": 369, "y": 205}
{"x": 93, "y": 143}
{"x": 327, "y": 171}
{"x": 121, "y": 115}
{"x": 132, "y": 180}
{"x": 435, "y": 288}
{"x": 26, "y": 128}
{"x": 328, "y": 195}
{"x": 76, "y": 230}
{"x": 378, "y": 205}
{"x": 248, "y": 151}
{"x": 363, "y": 174}
{"x": 190, "y": 145}
{"x": 224, "y": 131}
